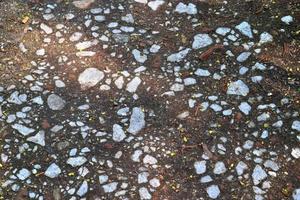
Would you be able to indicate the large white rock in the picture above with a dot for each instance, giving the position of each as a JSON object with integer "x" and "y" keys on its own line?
{"x": 118, "y": 133}
{"x": 133, "y": 84}
{"x": 238, "y": 88}
{"x": 76, "y": 161}
{"x": 201, "y": 41}
{"x": 39, "y": 138}
{"x": 53, "y": 171}
{"x": 90, "y": 77}
{"x": 258, "y": 174}
{"x": 213, "y": 191}
{"x": 245, "y": 29}
{"x": 23, "y": 129}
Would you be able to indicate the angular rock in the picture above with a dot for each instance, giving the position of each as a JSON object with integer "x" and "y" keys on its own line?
{"x": 137, "y": 121}
{"x": 53, "y": 171}
{"x": 90, "y": 77}
{"x": 55, "y": 102}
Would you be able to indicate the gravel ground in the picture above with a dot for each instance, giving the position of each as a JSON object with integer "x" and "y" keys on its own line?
{"x": 150, "y": 99}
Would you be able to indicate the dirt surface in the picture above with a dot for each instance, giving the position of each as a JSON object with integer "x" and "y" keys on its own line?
{"x": 150, "y": 99}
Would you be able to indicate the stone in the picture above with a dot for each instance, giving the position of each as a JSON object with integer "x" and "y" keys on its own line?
{"x": 240, "y": 168}
{"x": 154, "y": 182}
{"x": 46, "y": 28}
{"x": 144, "y": 193}
{"x": 296, "y": 153}
{"x": 103, "y": 179}
{"x": 223, "y": 31}
{"x": 265, "y": 37}
{"x": 243, "y": 56}
{"x": 206, "y": 179}
{"x": 154, "y": 5}
{"x": 190, "y": 9}
{"x": 90, "y": 77}
{"x": 272, "y": 165}
{"x": 85, "y": 53}
{"x": 202, "y": 72}
{"x": 137, "y": 121}
{"x": 201, "y": 41}
{"x": 136, "y": 155}
{"x": 118, "y": 133}
{"x": 213, "y": 191}
{"x": 53, "y": 171}
{"x": 138, "y": 56}
{"x": 238, "y": 88}
{"x": 133, "y": 85}
{"x": 143, "y": 177}
{"x": 83, "y": 189}
{"x": 23, "y": 129}
{"x": 149, "y": 160}
{"x": 219, "y": 168}
{"x": 245, "y": 108}
{"x": 179, "y": 56}
{"x": 76, "y": 161}
{"x": 39, "y": 138}
{"x": 189, "y": 81}
{"x": 110, "y": 187}
{"x": 55, "y": 102}
{"x": 200, "y": 167}
{"x": 287, "y": 19}
{"x": 245, "y": 29}
{"x": 258, "y": 175}
{"x": 296, "y": 125}
{"x": 23, "y": 174}
{"x": 296, "y": 194}
{"x": 83, "y": 4}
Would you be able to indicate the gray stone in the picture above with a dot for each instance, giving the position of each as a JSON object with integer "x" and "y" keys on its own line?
{"x": 55, "y": 102}
{"x": 83, "y": 189}
{"x": 133, "y": 85}
{"x": 245, "y": 108}
{"x": 238, "y": 88}
{"x": 137, "y": 121}
{"x": 296, "y": 125}
{"x": 149, "y": 160}
{"x": 296, "y": 194}
{"x": 53, "y": 171}
{"x": 23, "y": 174}
{"x": 90, "y": 77}
{"x": 201, "y": 41}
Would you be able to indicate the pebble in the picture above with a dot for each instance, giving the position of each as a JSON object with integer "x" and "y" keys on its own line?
{"x": 149, "y": 160}
{"x": 287, "y": 19}
{"x": 240, "y": 168}
{"x": 76, "y": 161}
{"x": 53, "y": 171}
{"x": 154, "y": 5}
{"x": 110, "y": 187}
{"x": 39, "y": 138}
{"x": 258, "y": 175}
{"x": 23, "y": 174}
{"x": 245, "y": 108}
{"x": 46, "y": 28}
{"x": 213, "y": 191}
{"x": 143, "y": 177}
{"x": 296, "y": 153}
{"x": 190, "y": 9}
{"x": 219, "y": 168}
{"x": 154, "y": 182}
{"x": 200, "y": 167}
{"x": 90, "y": 77}
{"x": 103, "y": 179}
{"x": 118, "y": 133}
{"x": 138, "y": 56}
{"x": 245, "y": 29}
{"x": 238, "y": 88}
{"x": 133, "y": 85}
{"x": 83, "y": 4}
{"x": 296, "y": 125}
{"x": 144, "y": 193}
{"x": 223, "y": 31}
{"x": 202, "y": 72}
{"x": 40, "y": 52}
{"x": 201, "y": 41}
{"x": 55, "y": 102}
{"x": 265, "y": 38}
{"x": 23, "y": 129}
{"x": 83, "y": 189}
{"x": 296, "y": 194}
{"x": 136, "y": 155}
{"x": 179, "y": 56}
{"x": 206, "y": 179}
{"x": 243, "y": 56}
{"x": 137, "y": 121}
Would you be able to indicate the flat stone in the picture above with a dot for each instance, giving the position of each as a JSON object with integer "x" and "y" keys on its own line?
{"x": 238, "y": 88}
{"x": 200, "y": 167}
{"x": 240, "y": 168}
{"x": 213, "y": 191}
{"x": 296, "y": 153}
{"x": 154, "y": 5}
{"x": 243, "y": 56}
{"x": 133, "y": 85}
{"x": 149, "y": 160}
{"x": 53, "y": 171}
{"x": 23, "y": 129}
{"x": 144, "y": 193}
{"x": 46, "y": 28}
{"x": 83, "y": 4}
{"x": 55, "y": 102}
{"x": 179, "y": 56}
{"x": 118, "y": 133}
{"x": 272, "y": 165}
{"x": 137, "y": 121}
{"x": 202, "y": 72}
{"x": 201, "y": 41}
{"x": 287, "y": 19}
{"x": 103, "y": 179}
{"x": 83, "y": 189}
{"x": 110, "y": 187}
{"x": 265, "y": 37}
{"x": 258, "y": 175}
{"x": 296, "y": 125}
{"x": 154, "y": 182}
{"x": 296, "y": 194}
{"x": 206, "y": 179}
{"x": 138, "y": 56}
{"x": 223, "y": 30}
{"x": 23, "y": 174}
{"x": 76, "y": 161}
{"x": 90, "y": 77}
{"x": 39, "y": 138}
{"x": 245, "y": 29}
{"x": 219, "y": 168}
{"x": 245, "y": 108}
{"x": 190, "y": 9}
{"x": 143, "y": 177}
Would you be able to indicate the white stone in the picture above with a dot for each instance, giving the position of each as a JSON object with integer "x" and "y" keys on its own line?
{"x": 213, "y": 191}
{"x": 118, "y": 133}
{"x": 99, "y": 18}
{"x": 137, "y": 121}
{"x": 245, "y": 108}
{"x": 240, "y": 168}
{"x": 179, "y": 56}
{"x": 149, "y": 160}
{"x": 287, "y": 19}
{"x": 296, "y": 125}
{"x": 200, "y": 167}
{"x": 138, "y": 56}
{"x": 245, "y": 29}
{"x": 75, "y": 36}
{"x": 59, "y": 84}
{"x": 23, "y": 174}
{"x": 46, "y": 28}
{"x": 243, "y": 56}
{"x": 103, "y": 179}
{"x": 143, "y": 177}
{"x": 189, "y": 81}
{"x": 119, "y": 82}
{"x": 258, "y": 175}
{"x": 90, "y": 77}
{"x": 40, "y": 52}
{"x": 154, "y": 5}
{"x": 154, "y": 48}
{"x": 23, "y": 129}
{"x": 265, "y": 38}
{"x": 144, "y": 193}
{"x": 296, "y": 194}
{"x": 190, "y": 9}
{"x": 141, "y": 1}
{"x": 223, "y": 31}
{"x": 86, "y": 44}
{"x": 154, "y": 182}
{"x": 39, "y": 138}
{"x": 202, "y": 72}
{"x": 219, "y": 168}
{"x": 136, "y": 155}
{"x": 53, "y": 171}
{"x": 238, "y": 88}
{"x": 296, "y": 153}
{"x": 133, "y": 85}
{"x": 76, "y": 161}
{"x": 206, "y": 179}
{"x": 110, "y": 187}
{"x": 83, "y": 4}
{"x": 85, "y": 53}
{"x": 201, "y": 41}
{"x": 55, "y": 102}
{"x": 83, "y": 189}
{"x": 176, "y": 87}
{"x": 128, "y": 18}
